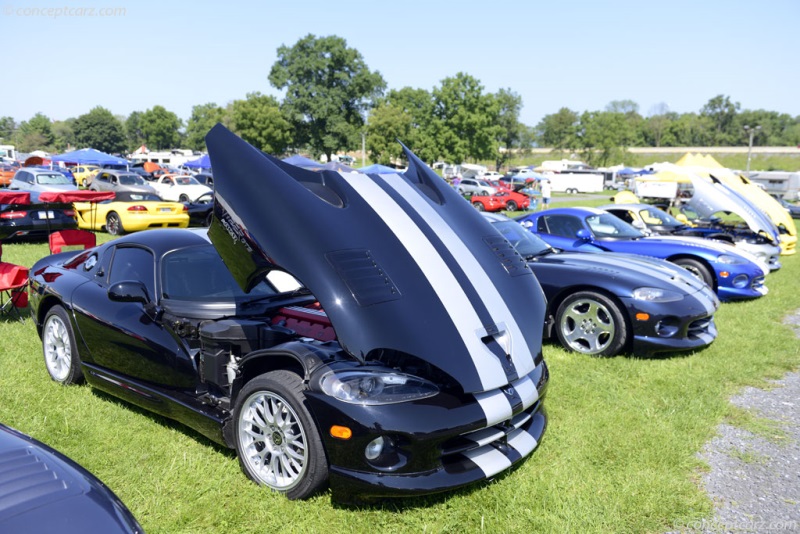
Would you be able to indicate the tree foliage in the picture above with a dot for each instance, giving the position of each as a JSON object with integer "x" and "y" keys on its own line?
{"x": 160, "y": 128}
{"x": 133, "y": 130}
{"x": 328, "y": 89}
{"x": 99, "y": 129}
{"x": 204, "y": 117}
{"x": 35, "y": 134}
{"x": 259, "y": 121}
{"x": 404, "y": 115}
{"x": 511, "y": 132}
{"x": 7, "y": 127}
{"x": 64, "y": 133}
{"x": 559, "y": 130}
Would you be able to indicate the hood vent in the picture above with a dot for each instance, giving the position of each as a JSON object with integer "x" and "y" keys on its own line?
{"x": 365, "y": 279}
{"x": 509, "y": 258}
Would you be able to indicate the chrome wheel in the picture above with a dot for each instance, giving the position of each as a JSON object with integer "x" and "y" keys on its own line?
{"x": 57, "y": 348}
{"x": 591, "y": 323}
{"x": 113, "y": 224}
{"x": 272, "y": 440}
{"x": 587, "y": 327}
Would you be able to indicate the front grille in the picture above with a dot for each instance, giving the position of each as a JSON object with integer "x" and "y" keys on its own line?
{"x": 486, "y": 437}
{"x": 698, "y": 327}
{"x": 757, "y": 283}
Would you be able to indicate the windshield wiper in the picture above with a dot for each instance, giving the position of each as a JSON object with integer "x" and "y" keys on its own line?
{"x": 543, "y": 252}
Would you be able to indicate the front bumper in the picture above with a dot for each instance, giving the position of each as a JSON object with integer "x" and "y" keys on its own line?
{"x": 438, "y": 444}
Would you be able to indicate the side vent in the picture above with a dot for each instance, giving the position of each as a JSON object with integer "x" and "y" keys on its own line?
{"x": 365, "y": 279}
{"x": 512, "y": 262}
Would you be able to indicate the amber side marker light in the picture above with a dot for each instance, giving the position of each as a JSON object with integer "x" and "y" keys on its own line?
{"x": 642, "y": 316}
{"x": 341, "y": 432}
{"x": 724, "y": 274}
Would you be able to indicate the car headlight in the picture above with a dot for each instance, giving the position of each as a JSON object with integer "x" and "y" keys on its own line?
{"x": 376, "y": 387}
{"x": 654, "y": 294}
{"x": 731, "y": 260}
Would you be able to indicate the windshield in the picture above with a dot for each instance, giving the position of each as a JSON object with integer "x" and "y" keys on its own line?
{"x": 655, "y": 216}
{"x": 52, "y": 179}
{"x": 525, "y": 242}
{"x": 131, "y": 179}
{"x": 607, "y": 225}
{"x": 186, "y": 180}
{"x": 198, "y": 274}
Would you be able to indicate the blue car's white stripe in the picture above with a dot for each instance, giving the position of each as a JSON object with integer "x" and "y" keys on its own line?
{"x": 520, "y": 354}
{"x": 447, "y": 288}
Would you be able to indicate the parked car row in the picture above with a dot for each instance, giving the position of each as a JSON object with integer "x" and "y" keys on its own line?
{"x": 385, "y": 340}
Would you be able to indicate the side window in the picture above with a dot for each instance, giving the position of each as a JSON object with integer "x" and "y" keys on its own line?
{"x": 133, "y": 263}
{"x": 541, "y": 225}
{"x": 625, "y": 215}
{"x": 562, "y": 225}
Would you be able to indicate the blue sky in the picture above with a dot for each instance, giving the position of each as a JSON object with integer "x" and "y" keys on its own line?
{"x": 577, "y": 54}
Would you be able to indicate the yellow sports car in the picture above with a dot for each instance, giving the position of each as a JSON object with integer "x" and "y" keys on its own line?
{"x": 131, "y": 212}
{"x": 83, "y": 174}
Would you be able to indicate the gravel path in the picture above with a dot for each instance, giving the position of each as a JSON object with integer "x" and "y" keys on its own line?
{"x": 755, "y": 481}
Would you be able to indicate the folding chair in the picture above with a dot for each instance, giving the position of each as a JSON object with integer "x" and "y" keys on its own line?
{"x": 13, "y": 288}
{"x": 71, "y": 238}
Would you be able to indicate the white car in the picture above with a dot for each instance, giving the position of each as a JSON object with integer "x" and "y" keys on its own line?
{"x": 473, "y": 186}
{"x": 179, "y": 188}
{"x": 491, "y": 175}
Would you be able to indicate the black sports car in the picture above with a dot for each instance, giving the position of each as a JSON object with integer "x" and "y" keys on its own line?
{"x": 24, "y": 218}
{"x": 605, "y": 303}
{"x": 408, "y": 362}
{"x": 41, "y": 490}
{"x": 200, "y": 211}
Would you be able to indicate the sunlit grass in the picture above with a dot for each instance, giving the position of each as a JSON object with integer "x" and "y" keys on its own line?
{"x": 619, "y": 455}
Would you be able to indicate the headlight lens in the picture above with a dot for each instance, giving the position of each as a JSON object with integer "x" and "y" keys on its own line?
{"x": 654, "y": 294}
{"x": 740, "y": 281}
{"x": 727, "y": 259}
{"x": 376, "y": 387}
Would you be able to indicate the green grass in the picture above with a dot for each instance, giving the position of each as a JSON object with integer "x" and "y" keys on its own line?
{"x": 620, "y": 452}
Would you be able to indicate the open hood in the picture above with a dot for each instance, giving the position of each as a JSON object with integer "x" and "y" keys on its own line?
{"x": 399, "y": 262}
{"x": 712, "y": 197}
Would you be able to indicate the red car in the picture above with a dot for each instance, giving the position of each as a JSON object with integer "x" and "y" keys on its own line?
{"x": 501, "y": 201}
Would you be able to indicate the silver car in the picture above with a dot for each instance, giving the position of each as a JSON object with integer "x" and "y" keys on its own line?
{"x": 474, "y": 186}
{"x": 114, "y": 180}
{"x": 40, "y": 180}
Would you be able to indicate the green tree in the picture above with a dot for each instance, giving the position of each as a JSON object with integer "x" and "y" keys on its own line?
{"x": 656, "y": 124}
{"x": 133, "y": 130}
{"x": 558, "y": 130}
{"x": 259, "y": 121}
{"x": 35, "y": 134}
{"x": 604, "y": 137}
{"x": 160, "y": 128}
{"x": 328, "y": 89}
{"x": 511, "y": 131}
{"x": 722, "y": 114}
{"x": 99, "y": 129}
{"x": 690, "y": 129}
{"x": 64, "y": 133}
{"x": 7, "y": 128}
{"x": 204, "y": 117}
{"x": 405, "y": 115}
{"x": 468, "y": 118}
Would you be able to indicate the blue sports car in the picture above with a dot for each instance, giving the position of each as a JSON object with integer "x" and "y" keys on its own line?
{"x": 604, "y": 304}
{"x": 730, "y": 273}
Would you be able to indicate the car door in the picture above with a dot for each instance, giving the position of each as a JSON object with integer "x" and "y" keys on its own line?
{"x": 121, "y": 336}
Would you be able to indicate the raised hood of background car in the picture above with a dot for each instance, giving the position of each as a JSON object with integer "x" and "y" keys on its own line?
{"x": 398, "y": 261}
{"x": 710, "y": 198}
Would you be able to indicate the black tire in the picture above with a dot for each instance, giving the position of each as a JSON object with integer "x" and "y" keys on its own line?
{"x": 478, "y": 206}
{"x": 511, "y": 206}
{"x": 483, "y": 193}
{"x": 114, "y": 224}
{"x": 303, "y": 470}
{"x": 207, "y": 221}
{"x": 697, "y": 268}
{"x": 591, "y": 323}
{"x": 183, "y": 198}
{"x": 60, "y": 351}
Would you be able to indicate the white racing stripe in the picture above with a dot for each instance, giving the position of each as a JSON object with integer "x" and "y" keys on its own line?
{"x": 526, "y": 390}
{"x": 495, "y": 406}
{"x": 520, "y": 355}
{"x": 447, "y": 288}
{"x": 522, "y": 441}
{"x": 490, "y": 460}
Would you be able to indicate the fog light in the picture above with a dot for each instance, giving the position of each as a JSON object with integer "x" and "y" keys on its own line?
{"x": 740, "y": 281}
{"x": 374, "y": 448}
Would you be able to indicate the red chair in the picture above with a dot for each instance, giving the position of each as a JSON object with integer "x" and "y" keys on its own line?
{"x": 71, "y": 238}
{"x": 13, "y": 287}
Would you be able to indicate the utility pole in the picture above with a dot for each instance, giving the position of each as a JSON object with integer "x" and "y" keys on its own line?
{"x": 752, "y": 132}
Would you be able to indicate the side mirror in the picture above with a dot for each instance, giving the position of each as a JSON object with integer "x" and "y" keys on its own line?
{"x": 639, "y": 225}
{"x": 526, "y": 224}
{"x": 583, "y": 234}
{"x": 129, "y": 291}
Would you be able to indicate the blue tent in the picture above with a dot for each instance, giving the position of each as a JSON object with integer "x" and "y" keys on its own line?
{"x": 89, "y": 156}
{"x": 377, "y": 168}
{"x": 203, "y": 162}
{"x": 300, "y": 161}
